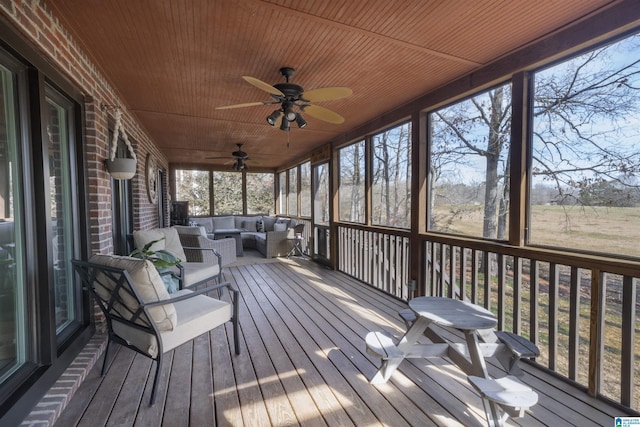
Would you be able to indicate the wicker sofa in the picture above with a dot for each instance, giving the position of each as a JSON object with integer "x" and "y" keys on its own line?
{"x": 267, "y": 234}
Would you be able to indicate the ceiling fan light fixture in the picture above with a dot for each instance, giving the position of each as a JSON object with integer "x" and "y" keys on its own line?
{"x": 273, "y": 117}
{"x": 285, "y": 125}
{"x": 289, "y": 114}
{"x": 301, "y": 122}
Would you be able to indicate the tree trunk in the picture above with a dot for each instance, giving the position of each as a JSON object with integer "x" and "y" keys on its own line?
{"x": 494, "y": 146}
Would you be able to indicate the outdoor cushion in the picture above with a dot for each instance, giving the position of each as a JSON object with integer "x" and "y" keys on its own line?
{"x": 280, "y": 226}
{"x": 250, "y": 224}
{"x": 223, "y": 223}
{"x": 268, "y": 222}
{"x": 142, "y": 237}
{"x": 146, "y": 282}
{"x": 195, "y": 272}
{"x": 196, "y": 317}
{"x": 204, "y": 222}
{"x": 172, "y": 243}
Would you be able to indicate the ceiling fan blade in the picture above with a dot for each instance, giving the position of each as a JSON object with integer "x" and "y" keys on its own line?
{"x": 262, "y": 85}
{"x": 246, "y": 104}
{"x": 326, "y": 94}
{"x": 323, "y": 114}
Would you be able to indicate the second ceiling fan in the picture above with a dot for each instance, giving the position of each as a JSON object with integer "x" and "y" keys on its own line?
{"x": 293, "y": 99}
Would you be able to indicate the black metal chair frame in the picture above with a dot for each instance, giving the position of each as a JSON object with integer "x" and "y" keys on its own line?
{"x": 115, "y": 309}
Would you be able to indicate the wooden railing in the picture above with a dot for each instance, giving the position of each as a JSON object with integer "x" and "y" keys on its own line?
{"x": 379, "y": 257}
{"x": 581, "y": 310}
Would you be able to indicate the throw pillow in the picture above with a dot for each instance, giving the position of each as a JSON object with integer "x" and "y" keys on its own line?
{"x": 268, "y": 222}
{"x": 280, "y": 226}
{"x": 260, "y": 226}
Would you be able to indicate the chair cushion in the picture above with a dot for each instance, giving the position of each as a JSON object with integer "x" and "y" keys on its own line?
{"x": 142, "y": 237}
{"x": 223, "y": 223}
{"x": 172, "y": 243}
{"x": 196, "y": 272}
{"x": 196, "y": 316}
{"x": 148, "y": 285}
{"x": 279, "y": 226}
{"x": 204, "y": 222}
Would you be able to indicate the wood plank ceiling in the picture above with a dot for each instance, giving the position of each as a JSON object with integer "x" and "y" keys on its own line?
{"x": 174, "y": 62}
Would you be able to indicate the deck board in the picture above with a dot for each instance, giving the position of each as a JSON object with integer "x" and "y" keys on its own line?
{"x": 303, "y": 362}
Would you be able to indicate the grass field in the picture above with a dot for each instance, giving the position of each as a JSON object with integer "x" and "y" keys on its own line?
{"x": 598, "y": 229}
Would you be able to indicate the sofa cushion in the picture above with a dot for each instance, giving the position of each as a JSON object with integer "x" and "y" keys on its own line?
{"x": 238, "y": 220}
{"x": 205, "y": 222}
{"x": 148, "y": 285}
{"x": 250, "y": 224}
{"x": 223, "y": 223}
{"x": 280, "y": 226}
{"x": 268, "y": 222}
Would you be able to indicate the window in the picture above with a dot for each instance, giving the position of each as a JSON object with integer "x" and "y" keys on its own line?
{"x": 13, "y": 290}
{"x": 585, "y": 191}
{"x": 321, "y": 194}
{"x": 352, "y": 183}
{"x": 468, "y": 183}
{"x": 43, "y": 314}
{"x": 260, "y": 193}
{"x": 282, "y": 193}
{"x": 292, "y": 199}
{"x": 305, "y": 190}
{"x": 59, "y": 128}
{"x": 227, "y": 193}
{"x": 193, "y": 186}
{"x": 391, "y": 190}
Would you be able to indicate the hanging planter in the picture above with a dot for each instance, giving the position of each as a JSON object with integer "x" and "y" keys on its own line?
{"x": 121, "y": 167}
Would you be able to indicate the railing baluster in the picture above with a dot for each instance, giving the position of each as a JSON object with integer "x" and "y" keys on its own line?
{"x": 534, "y": 317}
{"x": 553, "y": 315}
{"x": 596, "y": 329}
{"x": 517, "y": 295}
{"x": 574, "y": 323}
{"x": 474, "y": 276}
{"x": 452, "y": 271}
{"x": 486, "y": 260}
{"x": 629, "y": 295}
{"x": 501, "y": 292}
{"x": 464, "y": 260}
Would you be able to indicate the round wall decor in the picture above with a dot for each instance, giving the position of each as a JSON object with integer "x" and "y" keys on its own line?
{"x": 151, "y": 170}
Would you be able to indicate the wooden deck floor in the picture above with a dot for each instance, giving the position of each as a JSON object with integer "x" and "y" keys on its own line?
{"x": 303, "y": 362}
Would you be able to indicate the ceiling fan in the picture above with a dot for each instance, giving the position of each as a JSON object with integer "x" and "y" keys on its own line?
{"x": 293, "y": 99}
{"x": 239, "y": 159}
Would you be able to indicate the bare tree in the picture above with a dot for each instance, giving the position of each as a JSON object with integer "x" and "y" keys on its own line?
{"x": 583, "y": 110}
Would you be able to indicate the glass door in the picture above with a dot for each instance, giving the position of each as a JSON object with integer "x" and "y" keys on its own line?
{"x": 13, "y": 311}
{"x": 59, "y": 133}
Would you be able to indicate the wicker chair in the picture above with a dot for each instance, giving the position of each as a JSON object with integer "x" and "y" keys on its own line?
{"x": 192, "y": 272}
{"x": 194, "y": 239}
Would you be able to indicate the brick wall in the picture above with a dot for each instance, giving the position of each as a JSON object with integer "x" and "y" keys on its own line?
{"x": 35, "y": 22}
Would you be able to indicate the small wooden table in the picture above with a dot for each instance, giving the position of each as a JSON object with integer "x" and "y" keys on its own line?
{"x": 449, "y": 313}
